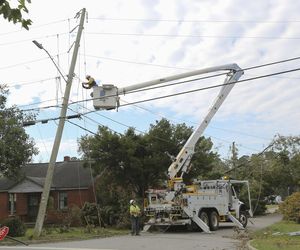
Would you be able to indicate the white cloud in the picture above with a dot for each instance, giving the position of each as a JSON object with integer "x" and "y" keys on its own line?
{"x": 270, "y": 102}
{"x": 68, "y": 147}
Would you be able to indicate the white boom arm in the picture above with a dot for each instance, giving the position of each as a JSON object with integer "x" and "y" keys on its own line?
{"x": 230, "y": 67}
{"x": 106, "y": 97}
{"x": 183, "y": 159}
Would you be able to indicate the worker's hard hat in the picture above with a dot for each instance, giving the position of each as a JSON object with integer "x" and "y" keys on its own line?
{"x": 131, "y": 201}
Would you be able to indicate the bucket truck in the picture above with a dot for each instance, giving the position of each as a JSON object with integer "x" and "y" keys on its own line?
{"x": 204, "y": 203}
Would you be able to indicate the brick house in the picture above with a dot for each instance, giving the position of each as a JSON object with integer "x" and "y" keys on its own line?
{"x": 71, "y": 185}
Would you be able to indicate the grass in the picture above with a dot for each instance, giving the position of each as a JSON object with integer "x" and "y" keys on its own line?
{"x": 265, "y": 240}
{"x": 53, "y": 234}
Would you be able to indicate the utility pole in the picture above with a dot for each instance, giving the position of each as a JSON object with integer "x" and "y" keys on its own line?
{"x": 234, "y": 158}
{"x": 48, "y": 181}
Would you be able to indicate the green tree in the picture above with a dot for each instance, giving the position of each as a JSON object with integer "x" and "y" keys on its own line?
{"x": 273, "y": 172}
{"x": 15, "y": 14}
{"x": 140, "y": 161}
{"x": 205, "y": 162}
{"x": 129, "y": 164}
{"x": 282, "y": 164}
{"x": 16, "y": 148}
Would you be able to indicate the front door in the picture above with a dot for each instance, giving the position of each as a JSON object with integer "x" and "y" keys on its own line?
{"x": 33, "y": 205}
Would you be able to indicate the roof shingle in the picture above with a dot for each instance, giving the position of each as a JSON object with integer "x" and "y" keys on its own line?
{"x": 67, "y": 174}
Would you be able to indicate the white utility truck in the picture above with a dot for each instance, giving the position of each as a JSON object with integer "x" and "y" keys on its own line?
{"x": 204, "y": 203}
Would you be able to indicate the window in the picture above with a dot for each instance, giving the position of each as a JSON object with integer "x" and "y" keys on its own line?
{"x": 63, "y": 200}
{"x": 12, "y": 199}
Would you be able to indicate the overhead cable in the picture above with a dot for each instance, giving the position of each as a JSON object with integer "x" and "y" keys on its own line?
{"x": 191, "y": 20}
{"x": 30, "y": 39}
{"x": 209, "y": 87}
{"x": 191, "y": 36}
{"x": 33, "y": 27}
{"x": 30, "y": 82}
{"x": 190, "y": 91}
{"x": 211, "y": 126}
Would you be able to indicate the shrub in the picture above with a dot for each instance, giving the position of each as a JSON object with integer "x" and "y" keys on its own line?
{"x": 290, "y": 208}
{"x": 16, "y": 226}
{"x": 90, "y": 214}
{"x": 75, "y": 214}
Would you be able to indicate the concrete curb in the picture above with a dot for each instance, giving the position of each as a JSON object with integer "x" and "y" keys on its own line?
{"x": 249, "y": 245}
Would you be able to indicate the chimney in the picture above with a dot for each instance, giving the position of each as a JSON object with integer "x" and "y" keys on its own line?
{"x": 67, "y": 158}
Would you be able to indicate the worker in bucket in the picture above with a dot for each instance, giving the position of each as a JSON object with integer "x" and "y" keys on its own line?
{"x": 135, "y": 213}
{"x": 90, "y": 83}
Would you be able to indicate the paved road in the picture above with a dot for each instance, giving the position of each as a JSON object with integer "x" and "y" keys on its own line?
{"x": 224, "y": 238}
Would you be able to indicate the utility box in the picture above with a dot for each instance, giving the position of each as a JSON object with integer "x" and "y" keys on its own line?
{"x": 105, "y": 97}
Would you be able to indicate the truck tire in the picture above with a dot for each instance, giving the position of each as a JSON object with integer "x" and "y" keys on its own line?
{"x": 204, "y": 217}
{"x": 214, "y": 221}
{"x": 243, "y": 218}
{"x": 193, "y": 227}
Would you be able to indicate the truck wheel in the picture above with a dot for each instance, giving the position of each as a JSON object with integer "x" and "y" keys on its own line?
{"x": 214, "y": 221}
{"x": 243, "y": 218}
{"x": 193, "y": 227}
{"x": 204, "y": 217}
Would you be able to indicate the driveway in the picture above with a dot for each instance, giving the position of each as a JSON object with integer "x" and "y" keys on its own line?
{"x": 224, "y": 238}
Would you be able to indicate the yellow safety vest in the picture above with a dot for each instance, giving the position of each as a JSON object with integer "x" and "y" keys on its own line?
{"x": 134, "y": 210}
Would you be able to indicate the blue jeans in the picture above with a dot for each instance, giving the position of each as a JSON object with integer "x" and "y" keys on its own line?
{"x": 135, "y": 225}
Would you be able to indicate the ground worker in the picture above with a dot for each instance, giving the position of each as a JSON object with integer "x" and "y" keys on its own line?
{"x": 135, "y": 213}
{"x": 90, "y": 83}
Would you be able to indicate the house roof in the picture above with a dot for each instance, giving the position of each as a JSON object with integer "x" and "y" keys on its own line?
{"x": 67, "y": 175}
{"x": 26, "y": 186}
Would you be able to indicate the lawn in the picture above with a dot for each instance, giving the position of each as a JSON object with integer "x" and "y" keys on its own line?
{"x": 52, "y": 234}
{"x": 266, "y": 240}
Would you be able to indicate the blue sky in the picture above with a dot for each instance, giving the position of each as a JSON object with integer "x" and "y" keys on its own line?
{"x": 127, "y": 42}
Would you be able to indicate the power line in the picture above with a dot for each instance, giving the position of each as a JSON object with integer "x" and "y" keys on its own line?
{"x": 143, "y": 132}
{"x": 126, "y": 61}
{"x": 161, "y": 139}
{"x": 85, "y": 129}
{"x": 190, "y": 21}
{"x": 174, "y": 94}
{"x": 85, "y": 115}
{"x": 115, "y": 121}
{"x": 140, "y": 63}
{"x": 31, "y": 82}
{"x": 35, "y": 103}
{"x": 33, "y": 122}
{"x": 191, "y": 36}
{"x": 205, "y": 88}
{"x": 210, "y": 87}
{"x": 33, "y": 27}
{"x": 217, "y": 128}
{"x": 23, "y": 63}
{"x": 240, "y": 165}
{"x": 30, "y": 39}
{"x": 230, "y": 142}
{"x": 273, "y": 63}
{"x": 205, "y": 133}
{"x": 180, "y": 68}
{"x": 27, "y": 62}
{"x": 189, "y": 91}
{"x": 110, "y": 119}
{"x": 38, "y": 109}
